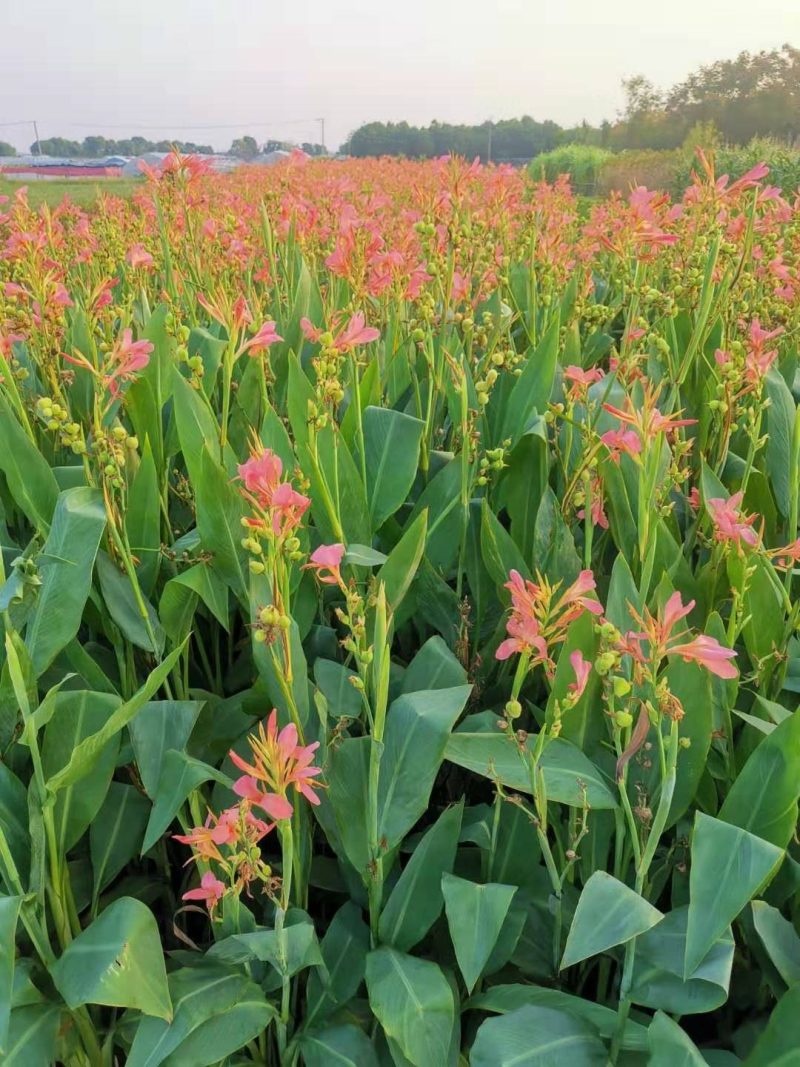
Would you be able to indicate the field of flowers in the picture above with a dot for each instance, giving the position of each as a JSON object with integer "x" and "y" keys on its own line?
{"x": 400, "y": 636}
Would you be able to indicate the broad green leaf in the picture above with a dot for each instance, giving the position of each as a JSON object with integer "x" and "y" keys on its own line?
{"x": 553, "y": 545}
{"x": 333, "y": 680}
{"x": 197, "y": 426}
{"x": 475, "y": 915}
{"x": 658, "y": 980}
{"x": 763, "y": 799}
{"x": 347, "y": 778}
{"x": 116, "y": 833}
{"x": 398, "y": 571}
{"x": 670, "y": 1046}
{"x": 147, "y": 395}
{"x": 778, "y": 1044}
{"x": 32, "y": 1035}
{"x": 524, "y": 483}
{"x": 531, "y": 392}
{"x": 289, "y": 951}
{"x": 161, "y": 725}
{"x": 391, "y": 445}
{"x": 415, "y": 902}
{"x": 507, "y": 998}
{"x": 566, "y": 770}
{"x": 780, "y": 429}
{"x": 65, "y": 568}
{"x": 117, "y": 961}
{"x": 180, "y": 774}
{"x": 780, "y": 939}
{"x": 14, "y": 821}
{"x": 88, "y": 751}
{"x": 433, "y": 667}
{"x": 413, "y": 1002}
{"x": 143, "y": 521}
{"x": 729, "y": 865}
{"x": 536, "y": 1037}
{"x": 216, "y": 1012}
{"x": 417, "y": 728}
{"x": 441, "y": 498}
{"x": 123, "y": 607}
{"x": 609, "y": 913}
{"x": 219, "y": 513}
{"x": 30, "y": 480}
{"x": 78, "y": 715}
{"x": 364, "y": 556}
{"x": 9, "y": 911}
{"x": 181, "y": 593}
{"x": 344, "y": 952}
{"x": 338, "y": 1046}
{"x": 499, "y": 552}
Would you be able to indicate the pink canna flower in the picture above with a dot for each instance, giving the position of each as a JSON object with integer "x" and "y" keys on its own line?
{"x": 261, "y": 475}
{"x": 265, "y": 336}
{"x": 582, "y": 668}
{"x": 277, "y": 807}
{"x": 709, "y": 653}
{"x": 126, "y": 359}
{"x": 327, "y": 558}
{"x": 310, "y": 331}
{"x": 279, "y": 762}
{"x": 729, "y": 522}
{"x": 355, "y": 333}
{"x": 138, "y": 256}
{"x": 583, "y": 378}
{"x": 619, "y": 441}
{"x": 210, "y": 891}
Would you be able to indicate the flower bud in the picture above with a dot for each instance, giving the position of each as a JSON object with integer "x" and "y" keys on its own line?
{"x": 623, "y": 719}
{"x": 513, "y": 709}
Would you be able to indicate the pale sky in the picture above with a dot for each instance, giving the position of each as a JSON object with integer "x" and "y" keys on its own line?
{"x": 104, "y": 66}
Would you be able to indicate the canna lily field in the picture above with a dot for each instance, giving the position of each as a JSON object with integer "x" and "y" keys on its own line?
{"x": 400, "y": 636}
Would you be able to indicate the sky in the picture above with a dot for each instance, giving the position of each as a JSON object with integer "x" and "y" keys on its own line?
{"x": 211, "y": 70}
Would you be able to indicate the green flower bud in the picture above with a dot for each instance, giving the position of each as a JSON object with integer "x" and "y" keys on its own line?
{"x": 623, "y": 719}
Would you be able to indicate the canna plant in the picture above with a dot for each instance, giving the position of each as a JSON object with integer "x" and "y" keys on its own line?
{"x": 400, "y": 640}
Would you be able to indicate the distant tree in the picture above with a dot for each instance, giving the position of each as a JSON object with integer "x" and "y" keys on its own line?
{"x": 244, "y": 148}
{"x": 7, "y": 149}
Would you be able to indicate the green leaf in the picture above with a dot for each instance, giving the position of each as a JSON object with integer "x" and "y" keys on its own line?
{"x": 88, "y": 751}
{"x": 143, "y": 521}
{"x": 333, "y": 680}
{"x": 116, "y": 833}
{"x": 179, "y": 600}
{"x": 763, "y": 799}
{"x": 180, "y": 774}
{"x": 364, "y": 556}
{"x": 475, "y": 915}
{"x": 147, "y": 395}
{"x": 78, "y": 715}
{"x": 778, "y": 1043}
{"x": 780, "y": 430}
{"x": 433, "y": 667}
{"x": 120, "y": 600}
{"x": 14, "y": 821}
{"x": 216, "y": 1012}
{"x": 553, "y": 545}
{"x": 65, "y": 568}
{"x": 524, "y": 483}
{"x": 32, "y": 1035}
{"x": 417, "y": 728}
{"x": 338, "y": 1046}
{"x": 565, "y": 768}
{"x": 536, "y": 1037}
{"x": 670, "y": 1046}
{"x": 398, "y": 571}
{"x": 499, "y": 552}
{"x": 507, "y": 998}
{"x": 531, "y": 392}
{"x": 413, "y": 1002}
{"x": 116, "y": 961}
{"x": 197, "y": 427}
{"x": 344, "y": 952}
{"x": 219, "y": 514}
{"x": 161, "y": 725}
{"x": 288, "y": 951}
{"x": 780, "y": 939}
{"x": 391, "y": 446}
{"x": 658, "y": 980}
{"x": 9, "y": 911}
{"x": 347, "y": 778}
{"x": 30, "y": 480}
{"x": 416, "y": 900}
{"x": 441, "y": 498}
{"x": 729, "y": 865}
{"x": 609, "y": 913}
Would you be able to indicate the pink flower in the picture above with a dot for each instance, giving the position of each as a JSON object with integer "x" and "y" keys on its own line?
{"x": 279, "y": 762}
{"x": 287, "y": 507}
{"x": 729, "y": 523}
{"x": 582, "y": 668}
{"x": 261, "y": 475}
{"x": 126, "y": 359}
{"x": 583, "y": 378}
{"x": 709, "y": 653}
{"x": 310, "y": 331}
{"x": 210, "y": 891}
{"x": 355, "y": 333}
{"x": 275, "y": 806}
{"x": 786, "y": 557}
{"x": 138, "y": 256}
{"x": 267, "y": 335}
{"x": 619, "y": 441}
{"x": 327, "y": 558}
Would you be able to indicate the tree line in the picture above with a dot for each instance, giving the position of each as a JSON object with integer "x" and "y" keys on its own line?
{"x": 753, "y": 95}
{"x": 98, "y": 147}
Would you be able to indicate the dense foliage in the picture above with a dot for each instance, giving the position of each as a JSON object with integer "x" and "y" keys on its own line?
{"x": 400, "y": 646}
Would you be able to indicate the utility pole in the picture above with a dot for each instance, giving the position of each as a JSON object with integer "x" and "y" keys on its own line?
{"x": 489, "y": 145}
{"x": 322, "y": 131}
{"x": 36, "y": 135}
